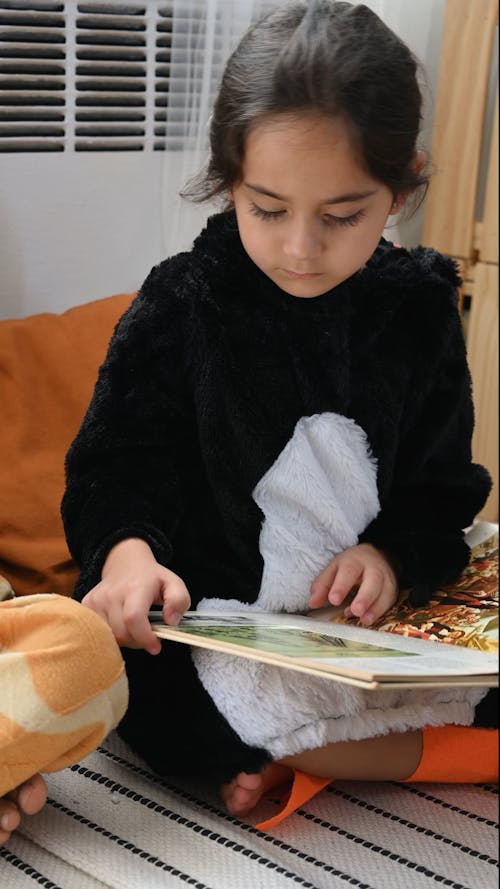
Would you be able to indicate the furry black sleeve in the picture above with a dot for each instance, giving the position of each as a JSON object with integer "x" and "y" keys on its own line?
{"x": 436, "y": 490}
{"x": 123, "y": 470}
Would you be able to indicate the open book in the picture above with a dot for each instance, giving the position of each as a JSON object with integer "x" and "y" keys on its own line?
{"x": 451, "y": 641}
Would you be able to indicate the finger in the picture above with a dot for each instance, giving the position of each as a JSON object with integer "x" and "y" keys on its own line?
{"x": 320, "y": 587}
{"x": 176, "y": 600}
{"x": 347, "y": 577}
{"x": 136, "y": 629}
{"x": 369, "y": 590}
{"x": 90, "y": 601}
{"x": 32, "y": 795}
{"x": 114, "y": 618}
{"x": 9, "y": 819}
{"x": 376, "y": 593}
{"x": 96, "y": 602}
{"x": 381, "y": 605}
{"x": 4, "y": 835}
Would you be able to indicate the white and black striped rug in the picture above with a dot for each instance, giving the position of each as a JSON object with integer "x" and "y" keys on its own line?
{"x": 111, "y": 824}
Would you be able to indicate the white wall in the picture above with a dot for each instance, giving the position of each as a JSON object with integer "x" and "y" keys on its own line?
{"x": 76, "y": 226}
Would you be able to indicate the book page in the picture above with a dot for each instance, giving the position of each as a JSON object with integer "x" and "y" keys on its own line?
{"x": 330, "y": 649}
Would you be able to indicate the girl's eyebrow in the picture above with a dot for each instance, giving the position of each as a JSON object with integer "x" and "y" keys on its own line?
{"x": 340, "y": 199}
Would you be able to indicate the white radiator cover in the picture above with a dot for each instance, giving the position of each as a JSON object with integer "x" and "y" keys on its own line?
{"x": 76, "y": 227}
{"x": 85, "y": 197}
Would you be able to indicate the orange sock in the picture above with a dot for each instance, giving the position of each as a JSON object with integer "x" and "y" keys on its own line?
{"x": 452, "y": 754}
{"x": 304, "y": 787}
{"x": 458, "y": 754}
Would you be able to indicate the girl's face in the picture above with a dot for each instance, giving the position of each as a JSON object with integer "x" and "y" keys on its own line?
{"x": 309, "y": 213}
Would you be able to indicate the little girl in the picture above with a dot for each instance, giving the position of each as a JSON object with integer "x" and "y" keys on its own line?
{"x": 284, "y": 415}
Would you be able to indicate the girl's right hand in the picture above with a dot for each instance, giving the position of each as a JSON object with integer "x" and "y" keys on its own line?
{"x": 132, "y": 581}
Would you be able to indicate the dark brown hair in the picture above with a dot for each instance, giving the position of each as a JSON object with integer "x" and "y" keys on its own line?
{"x": 328, "y": 57}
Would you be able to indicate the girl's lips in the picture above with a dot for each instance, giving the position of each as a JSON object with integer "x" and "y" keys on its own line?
{"x": 303, "y": 275}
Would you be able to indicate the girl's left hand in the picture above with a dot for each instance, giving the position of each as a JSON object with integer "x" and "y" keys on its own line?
{"x": 363, "y": 567}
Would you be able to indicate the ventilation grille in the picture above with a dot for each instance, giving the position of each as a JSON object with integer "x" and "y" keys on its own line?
{"x": 110, "y": 76}
{"x": 83, "y": 76}
{"x": 32, "y": 76}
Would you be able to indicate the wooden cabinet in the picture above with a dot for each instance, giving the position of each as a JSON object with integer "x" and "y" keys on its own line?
{"x": 461, "y": 217}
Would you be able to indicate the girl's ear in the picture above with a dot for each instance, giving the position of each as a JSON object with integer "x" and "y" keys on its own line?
{"x": 419, "y": 161}
{"x": 417, "y": 164}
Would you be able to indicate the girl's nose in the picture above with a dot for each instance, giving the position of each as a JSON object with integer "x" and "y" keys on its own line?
{"x": 302, "y": 241}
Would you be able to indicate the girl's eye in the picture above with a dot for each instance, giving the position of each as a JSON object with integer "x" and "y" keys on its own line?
{"x": 265, "y": 214}
{"x": 342, "y": 221}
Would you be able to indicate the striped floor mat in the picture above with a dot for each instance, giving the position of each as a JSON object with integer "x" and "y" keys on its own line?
{"x": 111, "y": 824}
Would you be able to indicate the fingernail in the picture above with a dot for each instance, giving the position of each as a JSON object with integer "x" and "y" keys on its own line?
{"x": 5, "y": 822}
{"x": 175, "y": 618}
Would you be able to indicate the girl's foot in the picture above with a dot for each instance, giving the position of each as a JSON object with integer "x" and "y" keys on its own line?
{"x": 27, "y": 799}
{"x": 243, "y": 793}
